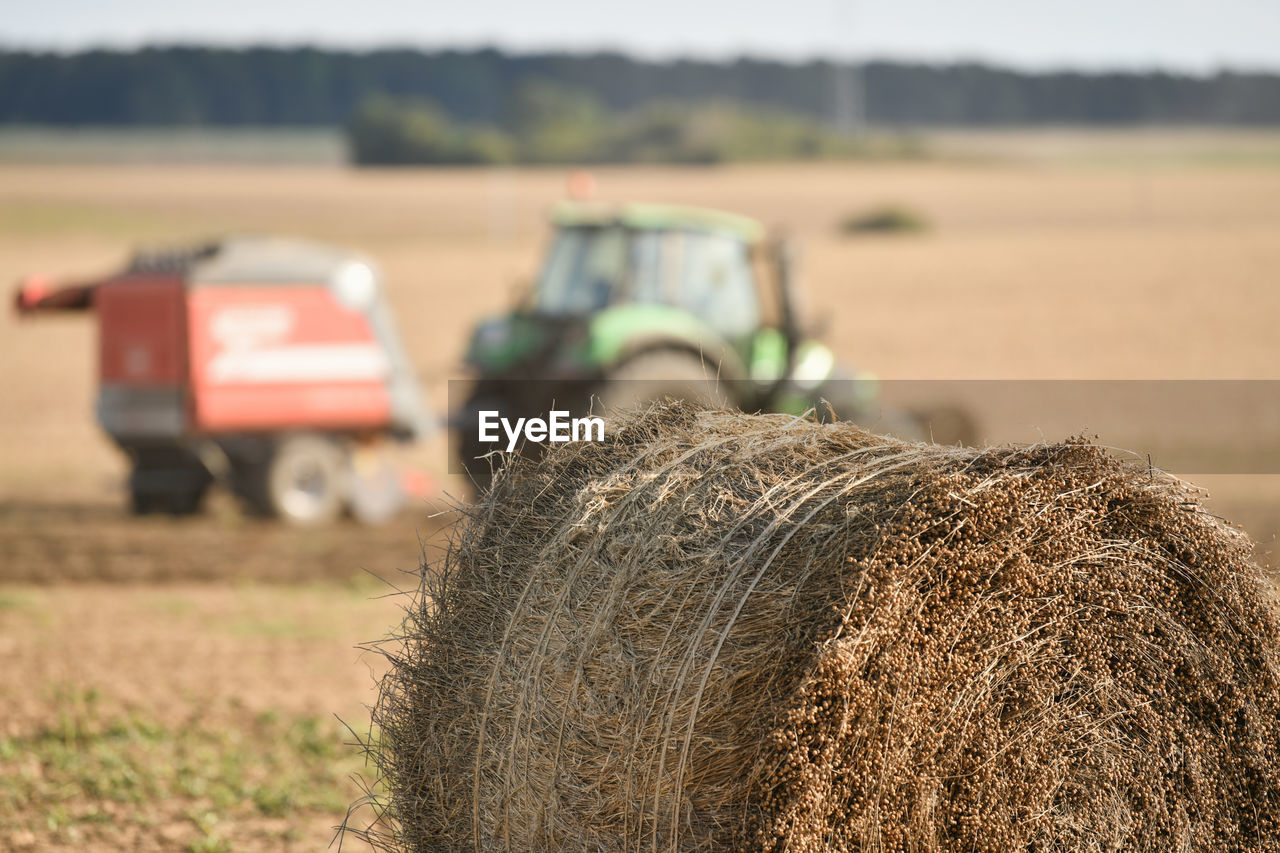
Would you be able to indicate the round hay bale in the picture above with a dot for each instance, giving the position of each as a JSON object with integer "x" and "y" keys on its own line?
{"x": 729, "y": 632}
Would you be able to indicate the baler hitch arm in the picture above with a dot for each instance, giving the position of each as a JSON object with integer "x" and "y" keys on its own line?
{"x": 38, "y": 294}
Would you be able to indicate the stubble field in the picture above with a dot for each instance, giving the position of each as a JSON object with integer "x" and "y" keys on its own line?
{"x": 172, "y": 684}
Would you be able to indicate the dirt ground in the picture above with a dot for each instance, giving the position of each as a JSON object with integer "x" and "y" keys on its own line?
{"x": 1030, "y": 270}
{"x": 192, "y": 668}
{"x": 85, "y": 540}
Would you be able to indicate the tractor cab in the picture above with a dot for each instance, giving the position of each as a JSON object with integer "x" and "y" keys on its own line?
{"x": 620, "y": 281}
{"x": 641, "y": 302}
{"x": 696, "y": 261}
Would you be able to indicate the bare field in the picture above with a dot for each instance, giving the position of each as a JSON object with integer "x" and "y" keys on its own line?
{"x": 66, "y": 540}
{"x": 1030, "y": 270}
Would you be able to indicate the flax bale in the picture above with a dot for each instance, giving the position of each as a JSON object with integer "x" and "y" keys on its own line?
{"x": 720, "y": 631}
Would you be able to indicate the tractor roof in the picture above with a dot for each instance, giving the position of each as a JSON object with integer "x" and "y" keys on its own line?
{"x": 658, "y": 217}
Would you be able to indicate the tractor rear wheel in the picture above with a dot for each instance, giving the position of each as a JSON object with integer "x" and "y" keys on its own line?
{"x": 661, "y": 374}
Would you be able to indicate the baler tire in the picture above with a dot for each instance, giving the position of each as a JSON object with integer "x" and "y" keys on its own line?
{"x": 170, "y": 487}
{"x": 305, "y": 481}
{"x": 141, "y": 503}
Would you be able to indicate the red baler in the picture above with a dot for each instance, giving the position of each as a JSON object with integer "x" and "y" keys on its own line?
{"x": 272, "y": 363}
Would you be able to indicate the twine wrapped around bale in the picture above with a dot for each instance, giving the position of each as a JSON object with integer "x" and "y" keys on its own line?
{"x": 729, "y": 632}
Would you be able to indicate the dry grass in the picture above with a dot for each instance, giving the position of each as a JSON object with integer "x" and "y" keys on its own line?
{"x": 727, "y": 632}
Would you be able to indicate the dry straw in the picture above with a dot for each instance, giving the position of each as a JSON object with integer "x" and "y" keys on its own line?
{"x": 730, "y": 632}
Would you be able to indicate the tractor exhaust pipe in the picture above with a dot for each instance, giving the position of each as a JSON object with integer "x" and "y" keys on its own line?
{"x": 785, "y": 257}
{"x": 783, "y": 254}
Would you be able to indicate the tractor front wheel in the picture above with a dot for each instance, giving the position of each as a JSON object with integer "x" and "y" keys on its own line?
{"x": 471, "y": 453}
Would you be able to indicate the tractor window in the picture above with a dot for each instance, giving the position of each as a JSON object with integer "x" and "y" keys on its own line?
{"x": 716, "y": 283}
{"x": 583, "y": 268}
{"x": 654, "y": 258}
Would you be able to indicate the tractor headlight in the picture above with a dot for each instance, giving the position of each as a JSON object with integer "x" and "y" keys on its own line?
{"x": 356, "y": 285}
{"x": 813, "y": 367}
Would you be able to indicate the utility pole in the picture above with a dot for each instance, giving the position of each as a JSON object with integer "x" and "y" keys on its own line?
{"x": 849, "y": 94}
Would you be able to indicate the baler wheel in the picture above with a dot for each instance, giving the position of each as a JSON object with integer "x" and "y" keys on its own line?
{"x": 305, "y": 482}
{"x": 170, "y": 481}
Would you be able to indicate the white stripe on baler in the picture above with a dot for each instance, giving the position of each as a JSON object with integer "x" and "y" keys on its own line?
{"x": 300, "y": 363}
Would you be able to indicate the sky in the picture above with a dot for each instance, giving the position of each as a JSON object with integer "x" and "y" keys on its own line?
{"x": 1176, "y": 35}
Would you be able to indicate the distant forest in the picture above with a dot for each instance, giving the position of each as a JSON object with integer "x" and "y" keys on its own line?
{"x": 196, "y": 86}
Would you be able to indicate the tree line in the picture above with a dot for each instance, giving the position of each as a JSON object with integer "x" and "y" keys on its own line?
{"x": 474, "y": 89}
{"x": 547, "y": 122}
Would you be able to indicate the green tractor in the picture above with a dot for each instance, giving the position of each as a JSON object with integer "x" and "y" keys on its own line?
{"x": 642, "y": 302}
